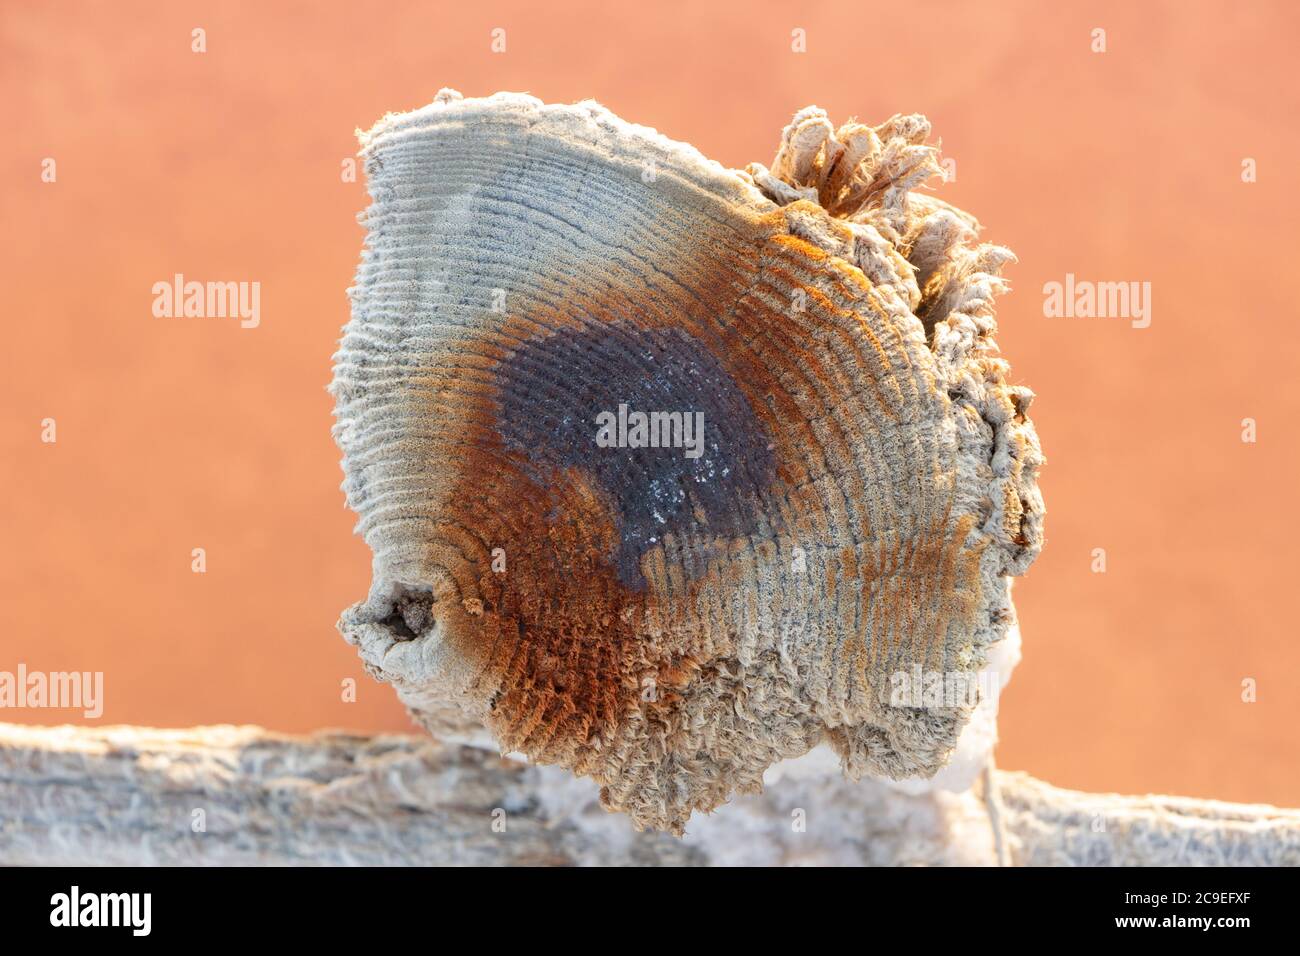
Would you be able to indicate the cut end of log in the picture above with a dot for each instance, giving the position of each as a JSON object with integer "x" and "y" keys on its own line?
{"x": 670, "y": 470}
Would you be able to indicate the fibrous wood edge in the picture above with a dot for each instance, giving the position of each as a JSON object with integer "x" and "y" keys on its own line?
{"x": 241, "y": 795}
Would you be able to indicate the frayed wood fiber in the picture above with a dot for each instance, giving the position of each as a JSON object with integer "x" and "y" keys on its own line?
{"x": 848, "y": 487}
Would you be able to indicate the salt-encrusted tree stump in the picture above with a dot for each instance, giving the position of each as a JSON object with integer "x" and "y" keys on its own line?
{"x": 668, "y": 469}
{"x": 129, "y": 795}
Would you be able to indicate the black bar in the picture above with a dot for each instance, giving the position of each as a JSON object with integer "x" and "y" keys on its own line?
{"x": 330, "y": 906}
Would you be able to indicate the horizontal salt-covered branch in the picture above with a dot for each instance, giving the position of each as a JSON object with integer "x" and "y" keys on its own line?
{"x": 241, "y": 795}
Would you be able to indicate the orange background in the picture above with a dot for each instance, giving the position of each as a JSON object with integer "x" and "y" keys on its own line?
{"x": 175, "y": 434}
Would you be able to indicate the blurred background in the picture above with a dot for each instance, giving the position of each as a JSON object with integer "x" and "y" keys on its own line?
{"x": 229, "y": 164}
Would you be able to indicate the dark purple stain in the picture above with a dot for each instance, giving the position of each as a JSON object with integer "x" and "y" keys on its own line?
{"x": 552, "y": 390}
